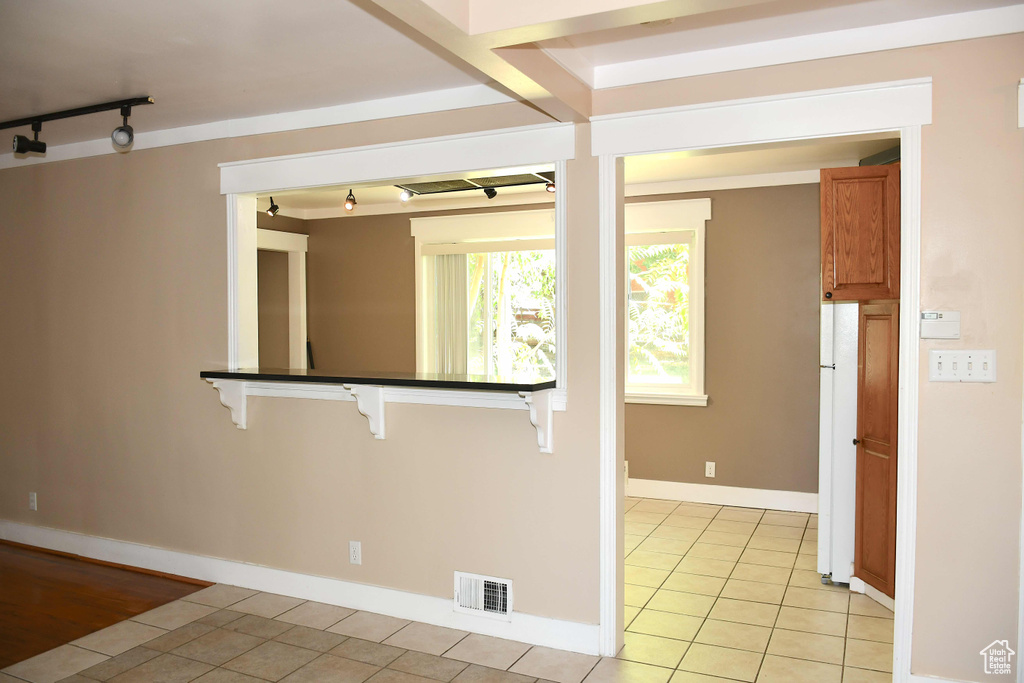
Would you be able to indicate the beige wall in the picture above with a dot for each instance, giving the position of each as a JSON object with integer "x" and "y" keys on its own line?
{"x": 969, "y": 478}
{"x": 272, "y": 296}
{"x": 362, "y": 294}
{"x": 111, "y": 314}
{"x": 761, "y": 312}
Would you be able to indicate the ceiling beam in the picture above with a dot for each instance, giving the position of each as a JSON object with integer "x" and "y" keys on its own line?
{"x": 422, "y": 17}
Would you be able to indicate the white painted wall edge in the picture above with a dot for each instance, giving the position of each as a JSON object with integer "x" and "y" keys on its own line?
{"x": 768, "y": 499}
{"x": 918, "y": 678}
{"x": 527, "y": 628}
{"x": 390, "y": 107}
{"x": 902, "y": 34}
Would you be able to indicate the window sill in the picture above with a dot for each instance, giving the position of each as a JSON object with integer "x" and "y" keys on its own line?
{"x": 667, "y": 399}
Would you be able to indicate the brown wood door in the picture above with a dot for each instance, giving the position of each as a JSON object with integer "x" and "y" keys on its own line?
{"x": 860, "y": 233}
{"x": 877, "y": 382}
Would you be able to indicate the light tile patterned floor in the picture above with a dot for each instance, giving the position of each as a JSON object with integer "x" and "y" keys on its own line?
{"x": 733, "y": 594}
{"x": 712, "y": 594}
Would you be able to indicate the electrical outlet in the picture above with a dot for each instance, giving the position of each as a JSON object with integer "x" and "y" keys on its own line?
{"x": 709, "y": 469}
{"x": 32, "y": 501}
{"x": 355, "y": 552}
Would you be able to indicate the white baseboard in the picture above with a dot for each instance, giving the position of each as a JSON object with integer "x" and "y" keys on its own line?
{"x": 790, "y": 501}
{"x": 860, "y": 586}
{"x": 918, "y": 678}
{"x": 526, "y": 628}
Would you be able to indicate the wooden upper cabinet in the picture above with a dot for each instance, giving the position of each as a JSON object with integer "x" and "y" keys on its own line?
{"x": 860, "y": 233}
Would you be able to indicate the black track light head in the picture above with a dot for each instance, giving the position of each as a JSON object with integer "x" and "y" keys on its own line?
{"x": 22, "y": 145}
{"x": 273, "y": 209}
{"x": 490, "y": 192}
{"x": 124, "y": 135}
{"x": 550, "y": 187}
{"x": 350, "y": 201}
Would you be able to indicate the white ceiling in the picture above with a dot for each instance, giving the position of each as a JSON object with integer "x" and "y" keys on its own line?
{"x": 203, "y": 60}
{"x": 750, "y": 24}
{"x": 785, "y": 157}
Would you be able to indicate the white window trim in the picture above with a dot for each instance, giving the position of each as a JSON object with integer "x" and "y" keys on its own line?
{"x": 661, "y": 223}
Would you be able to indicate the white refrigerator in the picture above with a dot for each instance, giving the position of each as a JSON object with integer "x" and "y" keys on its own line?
{"x": 837, "y": 454}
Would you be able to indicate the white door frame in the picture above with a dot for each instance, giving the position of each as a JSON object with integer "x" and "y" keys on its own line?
{"x": 296, "y": 246}
{"x": 903, "y": 106}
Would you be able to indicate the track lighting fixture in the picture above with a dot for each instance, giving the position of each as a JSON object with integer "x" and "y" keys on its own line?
{"x": 273, "y": 209}
{"x": 350, "y": 201}
{"x": 124, "y": 135}
{"x": 490, "y": 192}
{"x": 550, "y": 187}
{"x": 22, "y": 145}
{"x": 405, "y": 196}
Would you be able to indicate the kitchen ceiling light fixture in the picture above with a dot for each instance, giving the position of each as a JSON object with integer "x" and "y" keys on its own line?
{"x": 124, "y": 135}
{"x": 350, "y": 201}
{"x": 406, "y": 195}
{"x": 550, "y": 187}
{"x": 490, "y": 192}
{"x": 274, "y": 208}
{"x": 22, "y": 145}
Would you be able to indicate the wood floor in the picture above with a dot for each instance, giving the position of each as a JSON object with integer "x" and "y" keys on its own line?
{"x": 47, "y": 600}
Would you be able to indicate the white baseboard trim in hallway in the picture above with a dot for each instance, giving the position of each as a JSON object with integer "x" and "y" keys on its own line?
{"x": 859, "y": 586}
{"x": 526, "y": 628}
{"x": 791, "y": 501}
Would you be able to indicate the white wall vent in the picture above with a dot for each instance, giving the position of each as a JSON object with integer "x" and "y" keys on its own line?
{"x": 483, "y": 595}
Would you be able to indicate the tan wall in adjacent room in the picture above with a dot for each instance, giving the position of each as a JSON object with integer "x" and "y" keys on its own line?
{"x": 272, "y": 295}
{"x": 972, "y": 261}
{"x": 110, "y": 314}
{"x": 760, "y": 426}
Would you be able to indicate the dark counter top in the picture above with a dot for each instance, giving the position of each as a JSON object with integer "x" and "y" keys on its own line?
{"x": 424, "y": 380}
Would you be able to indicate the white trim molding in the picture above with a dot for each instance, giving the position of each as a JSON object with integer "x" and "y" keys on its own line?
{"x": 390, "y": 107}
{"x": 526, "y": 628}
{"x": 734, "y": 496}
{"x": 904, "y": 106}
{"x": 667, "y": 399}
{"x": 522, "y": 146}
{"x": 1020, "y": 104}
{"x": 821, "y": 113}
{"x": 925, "y": 31}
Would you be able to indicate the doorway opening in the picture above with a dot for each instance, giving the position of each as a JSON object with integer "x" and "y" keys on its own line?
{"x": 730, "y": 570}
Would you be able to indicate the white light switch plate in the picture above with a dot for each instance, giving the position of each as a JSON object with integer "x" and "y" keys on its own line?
{"x": 962, "y": 366}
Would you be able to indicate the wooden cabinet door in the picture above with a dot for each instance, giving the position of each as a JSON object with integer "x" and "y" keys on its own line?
{"x": 860, "y": 233}
{"x": 877, "y": 371}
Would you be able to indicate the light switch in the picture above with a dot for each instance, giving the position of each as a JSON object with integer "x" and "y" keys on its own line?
{"x": 940, "y": 324}
{"x": 962, "y": 366}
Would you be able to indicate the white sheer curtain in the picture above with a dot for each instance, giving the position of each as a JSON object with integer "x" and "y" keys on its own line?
{"x": 452, "y": 316}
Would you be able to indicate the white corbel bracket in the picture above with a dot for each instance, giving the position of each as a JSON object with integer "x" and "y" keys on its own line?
{"x": 232, "y": 397}
{"x": 542, "y": 417}
{"x": 370, "y": 402}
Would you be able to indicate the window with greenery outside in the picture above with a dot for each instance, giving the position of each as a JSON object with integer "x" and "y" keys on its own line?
{"x": 511, "y": 308}
{"x": 658, "y": 314}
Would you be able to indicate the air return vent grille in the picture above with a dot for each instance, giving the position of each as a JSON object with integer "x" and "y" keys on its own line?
{"x": 483, "y": 595}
